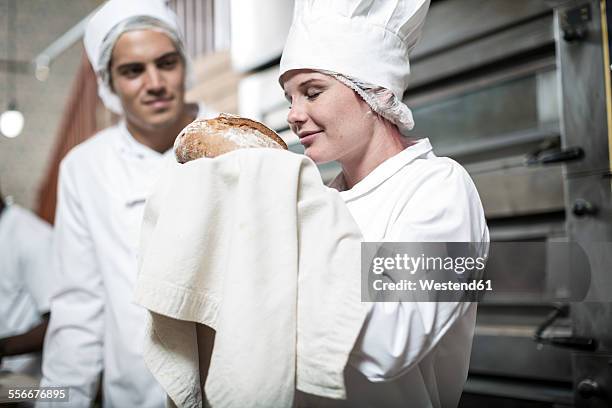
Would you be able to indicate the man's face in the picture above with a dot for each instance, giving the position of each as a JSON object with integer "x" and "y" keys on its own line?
{"x": 148, "y": 76}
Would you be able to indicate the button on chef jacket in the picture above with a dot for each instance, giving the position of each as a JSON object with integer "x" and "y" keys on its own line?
{"x": 25, "y": 276}
{"x": 94, "y": 324}
{"x": 414, "y": 353}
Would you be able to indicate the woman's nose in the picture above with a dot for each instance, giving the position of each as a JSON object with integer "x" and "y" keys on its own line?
{"x": 296, "y": 115}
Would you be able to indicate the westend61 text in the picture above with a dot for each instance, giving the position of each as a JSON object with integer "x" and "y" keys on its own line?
{"x": 432, "y": 285}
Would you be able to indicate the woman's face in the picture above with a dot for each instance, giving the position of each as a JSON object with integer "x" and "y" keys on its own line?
{"x": 331, "y": 120}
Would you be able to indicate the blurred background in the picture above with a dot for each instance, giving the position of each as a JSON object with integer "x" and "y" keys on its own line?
{"x": 516, "y": 91}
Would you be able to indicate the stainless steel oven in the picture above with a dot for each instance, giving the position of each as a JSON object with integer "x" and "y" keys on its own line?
{"x": 517, "y": 93}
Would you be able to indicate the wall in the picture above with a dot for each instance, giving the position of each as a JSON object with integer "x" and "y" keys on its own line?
{"x": 23, "y": 160}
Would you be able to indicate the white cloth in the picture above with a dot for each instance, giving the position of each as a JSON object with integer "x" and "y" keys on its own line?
{"x": 365, "y": 39}
{"x": 107, "y": 17}
{"x": 94, "y": 326}
{"x": 25, "y": 277}
{"x": 252, "y": 244}
{"x": 414, "y": 354}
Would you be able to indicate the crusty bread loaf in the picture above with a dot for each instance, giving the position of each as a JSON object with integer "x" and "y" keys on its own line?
{"x": 213, "y": 137}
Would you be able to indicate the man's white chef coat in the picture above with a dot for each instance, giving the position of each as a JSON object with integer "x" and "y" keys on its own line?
{"x": 25, "y": 276}
{"x": 94, "y": 324}
{"x": 414, "y": 354}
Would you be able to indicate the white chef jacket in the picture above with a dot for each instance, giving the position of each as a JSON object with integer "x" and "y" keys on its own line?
{"x": 414, "y": 354}
{"x": 25, "y": 276}
{"x": 95, "y": 326}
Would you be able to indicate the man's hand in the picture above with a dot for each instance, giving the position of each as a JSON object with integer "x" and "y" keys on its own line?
{"x": 1, "y": 350}
{"x": 29, "y": 342}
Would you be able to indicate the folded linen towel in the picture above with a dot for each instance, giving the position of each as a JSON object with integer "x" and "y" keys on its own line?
{"x": 252, "y": 244}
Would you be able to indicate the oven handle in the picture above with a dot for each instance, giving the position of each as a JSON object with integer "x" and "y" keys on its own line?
{"x": 571, "y": 342}
{"x": 552, "y": 156}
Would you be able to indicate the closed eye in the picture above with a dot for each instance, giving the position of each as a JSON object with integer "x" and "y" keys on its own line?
{"x": 312, "y": 92}
{"x": 313, "y": 95}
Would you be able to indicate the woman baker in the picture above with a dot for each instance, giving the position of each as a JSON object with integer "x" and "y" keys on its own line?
{"x": 345, "y": 69}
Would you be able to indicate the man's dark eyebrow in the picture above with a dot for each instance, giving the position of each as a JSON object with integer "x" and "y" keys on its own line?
{"x": 129, "y": 65}
{"x": 167, "y": 55}
{"x": 158, "y": 59}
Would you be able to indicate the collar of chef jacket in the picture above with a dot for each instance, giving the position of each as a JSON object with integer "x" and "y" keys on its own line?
{"x": 130, "y": 146}
{"x": 141, "y": 162}
{"x": 383, "y": 172}
{"x": 132, "y": 149}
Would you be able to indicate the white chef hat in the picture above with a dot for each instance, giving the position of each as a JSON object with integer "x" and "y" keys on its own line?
{"x": 110, "y": 16}
{"x": 368, "y": 40}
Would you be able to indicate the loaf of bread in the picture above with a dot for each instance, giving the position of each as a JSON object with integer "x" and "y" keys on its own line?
{"x": 213, "y": 137}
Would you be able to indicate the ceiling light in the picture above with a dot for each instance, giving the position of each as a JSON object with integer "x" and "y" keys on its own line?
{"x": 11, "y": 122}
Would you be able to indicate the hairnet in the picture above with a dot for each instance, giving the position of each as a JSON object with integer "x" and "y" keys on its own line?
{"x": 381, "y": 100}
{"x": 132, "y": 24}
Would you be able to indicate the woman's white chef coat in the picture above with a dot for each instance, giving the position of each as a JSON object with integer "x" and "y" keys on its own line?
{"x": 94, "y": 326}
{"x": 414, "y": 354}
{"x": 25, "y": 276}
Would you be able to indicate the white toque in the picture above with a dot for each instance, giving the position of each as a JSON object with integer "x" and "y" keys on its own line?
{"x": 365, "y": 39}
